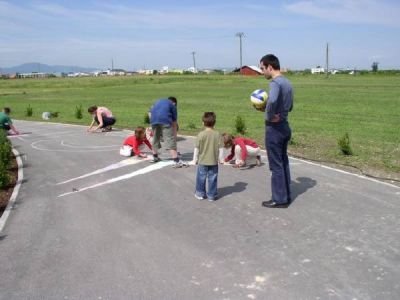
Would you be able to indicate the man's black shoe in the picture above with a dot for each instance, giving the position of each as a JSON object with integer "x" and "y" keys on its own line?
{"x": 273, "y": 204}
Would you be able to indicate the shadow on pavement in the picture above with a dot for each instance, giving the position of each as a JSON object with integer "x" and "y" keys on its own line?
{"x": 301, "y": 185}
{"x": 236, "y": 188}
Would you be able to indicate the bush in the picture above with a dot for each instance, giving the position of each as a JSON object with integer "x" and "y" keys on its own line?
{"x": 79, "y": 112}
{"x": 29, "y": 111}
{"x": 146, "y": 118}
{"x": 5, "y": 158}
{"x": 191, "y": 125}
{"x": 4, "y": 177}
{"x": 344, "y": 144}
{"x": 293, "y": 142}
{"x": 240, "y": 125}
{"x": 5, "y": 149}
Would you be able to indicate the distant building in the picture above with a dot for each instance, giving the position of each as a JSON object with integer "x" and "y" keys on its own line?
{"x": 191, "y": 70}
{"x": 164, "y": 70}
{"x": 117, "y": 72}
{"x": 317, "y": 70}
{"x": 32, "y": 75}
{"x": 145, "y": 72}
{"x": 249, "y": 71}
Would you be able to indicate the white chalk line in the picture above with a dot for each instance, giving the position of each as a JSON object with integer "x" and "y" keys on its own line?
{"x": 121, "y": 164}
{"x": 345, "y": 172}
{"x": 15, "y": 192}
{"x": 145, "y": 170}
{"x": 87, "y": 147}
{"x": 35, "y": 146}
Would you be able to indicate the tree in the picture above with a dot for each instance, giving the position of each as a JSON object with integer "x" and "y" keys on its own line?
{"x": 375, "y": 66}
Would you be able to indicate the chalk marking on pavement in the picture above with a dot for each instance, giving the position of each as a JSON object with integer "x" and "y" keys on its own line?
{"x": 156, "y": 166}
{"x": 35, "y": 146}
{"x": 56, "y": 133}
{"x": 88, "y": 147}
{"x": 123, "y": 163}
{"x": 345, "y": 172}
{"x": 14, "y": 194}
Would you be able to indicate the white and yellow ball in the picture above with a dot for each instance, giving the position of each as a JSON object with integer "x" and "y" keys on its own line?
{"x": 259, "y": 98}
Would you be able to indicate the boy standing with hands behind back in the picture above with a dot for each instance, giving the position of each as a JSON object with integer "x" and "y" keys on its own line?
{"x": 207, "y": 153}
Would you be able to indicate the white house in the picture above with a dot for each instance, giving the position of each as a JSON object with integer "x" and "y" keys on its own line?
{"x": 317, "y": 70}
{"x": 191, "y": 70}
{"x": 164, "y": 70}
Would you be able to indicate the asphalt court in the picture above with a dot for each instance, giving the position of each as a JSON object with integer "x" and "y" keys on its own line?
{"x": 338, "y": 239}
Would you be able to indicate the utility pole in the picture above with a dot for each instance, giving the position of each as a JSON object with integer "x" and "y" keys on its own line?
{"x": 194, "y": 62}
{"x": 327, "y": 60}
{"x": 112, "y": 64}
{"x": 240, "y": 35}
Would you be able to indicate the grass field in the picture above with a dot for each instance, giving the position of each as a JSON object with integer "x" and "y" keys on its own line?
{"x": 367, "y": 107}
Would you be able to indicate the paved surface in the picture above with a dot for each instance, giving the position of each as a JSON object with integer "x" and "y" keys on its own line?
{"x": 89, "y": 224}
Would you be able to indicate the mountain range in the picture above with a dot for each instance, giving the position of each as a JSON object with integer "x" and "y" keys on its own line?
{"x": 43, "y": 68}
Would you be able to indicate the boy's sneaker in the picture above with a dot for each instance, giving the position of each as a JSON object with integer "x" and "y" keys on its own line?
{"x": 155, "y": 159}
{"x": 211, "y": 199}
{"x": 179, "y": 164}
{"x": 198, "y": 197}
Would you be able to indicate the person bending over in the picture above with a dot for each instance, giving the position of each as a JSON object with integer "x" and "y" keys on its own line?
{"x": 103, "y": 117}
{"x": 6, "y": 122}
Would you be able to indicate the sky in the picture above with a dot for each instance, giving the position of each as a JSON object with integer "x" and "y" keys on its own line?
{"x": 151, "y": 34}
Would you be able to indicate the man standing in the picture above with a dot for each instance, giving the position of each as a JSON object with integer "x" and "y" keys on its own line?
{"x": 277, "y": 131}
{"x": 163, "y": 119}
{"x": 6, "y": 122}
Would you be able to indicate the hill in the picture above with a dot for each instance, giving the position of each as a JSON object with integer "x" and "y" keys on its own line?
{"x": 38, "y": 67}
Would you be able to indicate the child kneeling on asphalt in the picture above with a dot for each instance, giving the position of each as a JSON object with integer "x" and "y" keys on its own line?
{"x": 241, "y": 149}
{"x": 135, "y": 141}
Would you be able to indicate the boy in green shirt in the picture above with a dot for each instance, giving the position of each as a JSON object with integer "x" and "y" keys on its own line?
{"x": 207, "y": 153}
{"x": 6, "y": 122}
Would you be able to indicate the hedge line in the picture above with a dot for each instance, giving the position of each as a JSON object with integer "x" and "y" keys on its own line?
{"x": 5, "y": 158}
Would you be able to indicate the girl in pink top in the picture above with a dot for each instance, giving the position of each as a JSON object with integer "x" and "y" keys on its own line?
{"x": 241, "y": 149}
{"x": 102, "y": 116}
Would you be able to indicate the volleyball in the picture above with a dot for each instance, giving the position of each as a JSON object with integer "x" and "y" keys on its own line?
{"x": 259, "y": 98}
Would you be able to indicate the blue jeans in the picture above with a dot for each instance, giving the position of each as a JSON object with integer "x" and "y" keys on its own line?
{"x": 276, "y": 141}
{"x": 204, "y": 172}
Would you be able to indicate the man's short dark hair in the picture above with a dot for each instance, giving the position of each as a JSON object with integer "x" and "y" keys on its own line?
{"x": 209, "y": 119}
{"x": 271, "y": 60}
{"x": 173, "y": 99}
{"x": 6, "y": 110}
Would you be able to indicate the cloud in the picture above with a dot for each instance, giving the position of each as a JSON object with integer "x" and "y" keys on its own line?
{"x": 350, "y": 11}
{"x": 131, "y": 17}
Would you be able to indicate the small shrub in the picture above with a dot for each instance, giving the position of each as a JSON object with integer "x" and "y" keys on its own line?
{"x": 344, "y": 144}
{"x": 5, "y": 149}
{"x": 293, "y": 141}
{"x": 54, "y": 114}
{"x": 79, "y": 112}
{"x": 29, "y": 111}
{"x": 240, "y": 125}
{"x": 191, "y": 125}
{"x": 146, "y": 118}
{"x": 5, "y": 158}
{"x": 4, "y": 177}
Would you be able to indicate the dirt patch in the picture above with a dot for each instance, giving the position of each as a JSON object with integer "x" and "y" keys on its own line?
{"x": 6, "y": 193}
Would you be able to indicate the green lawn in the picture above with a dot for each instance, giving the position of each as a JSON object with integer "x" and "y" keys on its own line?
{"x": 365, "y": 106}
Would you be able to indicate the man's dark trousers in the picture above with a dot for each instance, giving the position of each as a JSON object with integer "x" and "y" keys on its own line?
{"x": 277, "y": 137}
